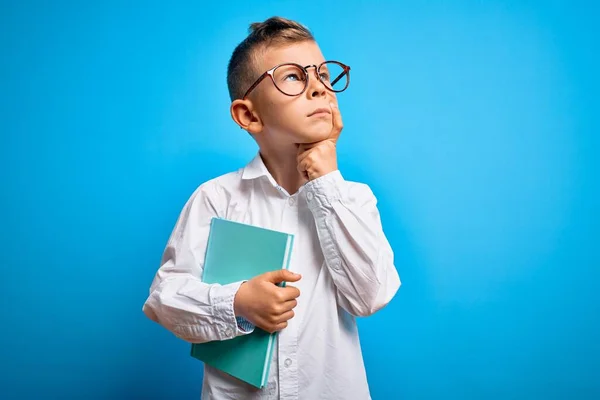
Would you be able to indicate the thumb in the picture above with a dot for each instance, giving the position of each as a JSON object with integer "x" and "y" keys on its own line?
{"x": 281, "y": 275}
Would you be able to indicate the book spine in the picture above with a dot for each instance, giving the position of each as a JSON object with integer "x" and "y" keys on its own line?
{"x": 286, "y": 265}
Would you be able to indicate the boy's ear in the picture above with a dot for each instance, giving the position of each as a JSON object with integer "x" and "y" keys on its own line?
{"x": 243, "y": 113}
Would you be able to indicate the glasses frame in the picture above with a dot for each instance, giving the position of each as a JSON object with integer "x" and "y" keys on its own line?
{"x": 270, "y": 73}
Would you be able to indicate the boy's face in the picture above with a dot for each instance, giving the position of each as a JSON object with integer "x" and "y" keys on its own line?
{"x": 292, "y": 119}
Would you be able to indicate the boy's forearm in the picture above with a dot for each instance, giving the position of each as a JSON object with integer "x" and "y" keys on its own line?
{"x": 193, "y": 310}
{"x": 356, "y": 251}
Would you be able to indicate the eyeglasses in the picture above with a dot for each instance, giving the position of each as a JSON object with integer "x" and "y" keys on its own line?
{"x": 292, "y": 79}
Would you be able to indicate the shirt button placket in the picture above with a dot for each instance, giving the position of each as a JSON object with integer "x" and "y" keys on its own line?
{"x": 288, "y": 338}
{"x": 288, "y": 364}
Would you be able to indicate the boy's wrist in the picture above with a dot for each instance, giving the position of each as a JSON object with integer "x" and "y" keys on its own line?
{"x": 238, "y": 302}
{"x": 243, "y": 324}
{"x": 319, "y": 174}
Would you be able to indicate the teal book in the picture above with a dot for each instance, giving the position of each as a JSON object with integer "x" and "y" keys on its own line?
{"x": 235, "y": 252}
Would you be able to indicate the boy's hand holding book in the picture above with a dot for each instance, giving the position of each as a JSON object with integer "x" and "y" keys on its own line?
{"x": 265, "y": 304}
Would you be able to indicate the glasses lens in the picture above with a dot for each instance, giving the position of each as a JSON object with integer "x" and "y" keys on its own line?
{"x": 290, "y": 79}
{"x": 334, "y": 76}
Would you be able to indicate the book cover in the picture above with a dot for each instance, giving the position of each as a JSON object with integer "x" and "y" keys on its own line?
{"x": 236, "y": 252}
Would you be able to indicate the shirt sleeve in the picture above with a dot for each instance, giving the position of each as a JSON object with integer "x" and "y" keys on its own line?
{"x": 356, "y": 250}
{"x": 178, "y": 300}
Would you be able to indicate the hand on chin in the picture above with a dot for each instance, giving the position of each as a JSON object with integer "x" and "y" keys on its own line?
{"x": 318, "y": 156}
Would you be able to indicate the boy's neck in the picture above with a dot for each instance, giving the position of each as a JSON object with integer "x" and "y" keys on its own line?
{"x": 283, "y": 166}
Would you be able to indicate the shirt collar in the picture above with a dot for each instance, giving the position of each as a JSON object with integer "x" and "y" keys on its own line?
{"x": 255, "y": 168}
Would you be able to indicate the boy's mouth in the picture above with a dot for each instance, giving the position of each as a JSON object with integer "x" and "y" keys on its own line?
{"x": 319, "y": 111}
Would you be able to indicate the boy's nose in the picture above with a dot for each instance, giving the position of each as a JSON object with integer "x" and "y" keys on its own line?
{"x": 318, "y": 93}
{"x": 315, "y": 86}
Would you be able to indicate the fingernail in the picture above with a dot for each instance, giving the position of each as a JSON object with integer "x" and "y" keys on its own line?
{"x": 333, "y": 105}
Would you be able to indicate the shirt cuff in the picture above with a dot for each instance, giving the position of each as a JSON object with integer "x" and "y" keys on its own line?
{"x": 222, "y": 298}
{"x": 321, "y": 192}
{"x": 244, "y": 326}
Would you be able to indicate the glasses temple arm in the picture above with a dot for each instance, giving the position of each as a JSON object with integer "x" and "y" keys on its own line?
{"x": 338, "y": 78}
{"x": 255, "y": 84}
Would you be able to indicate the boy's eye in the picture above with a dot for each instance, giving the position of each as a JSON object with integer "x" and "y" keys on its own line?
{"x": 292, "y": 77}
{"x": 325, "y": 76}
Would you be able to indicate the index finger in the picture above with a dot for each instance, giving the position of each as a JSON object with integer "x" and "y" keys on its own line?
{"x": 290, "y": 292}
{"x": 338, "y": 125}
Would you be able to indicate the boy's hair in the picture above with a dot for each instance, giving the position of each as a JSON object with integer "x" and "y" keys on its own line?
{"x": 241, "y": 71}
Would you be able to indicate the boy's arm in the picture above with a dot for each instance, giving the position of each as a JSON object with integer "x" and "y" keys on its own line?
{"x": 179, "y": 301}
{"x": 357, "y": 253}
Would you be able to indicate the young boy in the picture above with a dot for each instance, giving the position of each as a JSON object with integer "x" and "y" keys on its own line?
{"x": 284, "y": 95}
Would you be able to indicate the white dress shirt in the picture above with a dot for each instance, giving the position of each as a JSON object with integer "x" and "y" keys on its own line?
{"x": 347, "y": 268}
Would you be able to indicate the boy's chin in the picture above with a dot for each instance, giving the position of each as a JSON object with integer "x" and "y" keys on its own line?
{"x": 312, "y": 137}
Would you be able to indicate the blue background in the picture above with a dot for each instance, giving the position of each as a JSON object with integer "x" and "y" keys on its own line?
{"x": 475, "y": 123}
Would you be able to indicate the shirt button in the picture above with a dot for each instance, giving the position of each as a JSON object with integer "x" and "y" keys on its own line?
{"x": 292, "y": 201}
{"x": 287, "y": 362}
{"x": 309, "y": 196}
{"x": 227, "y": 332}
